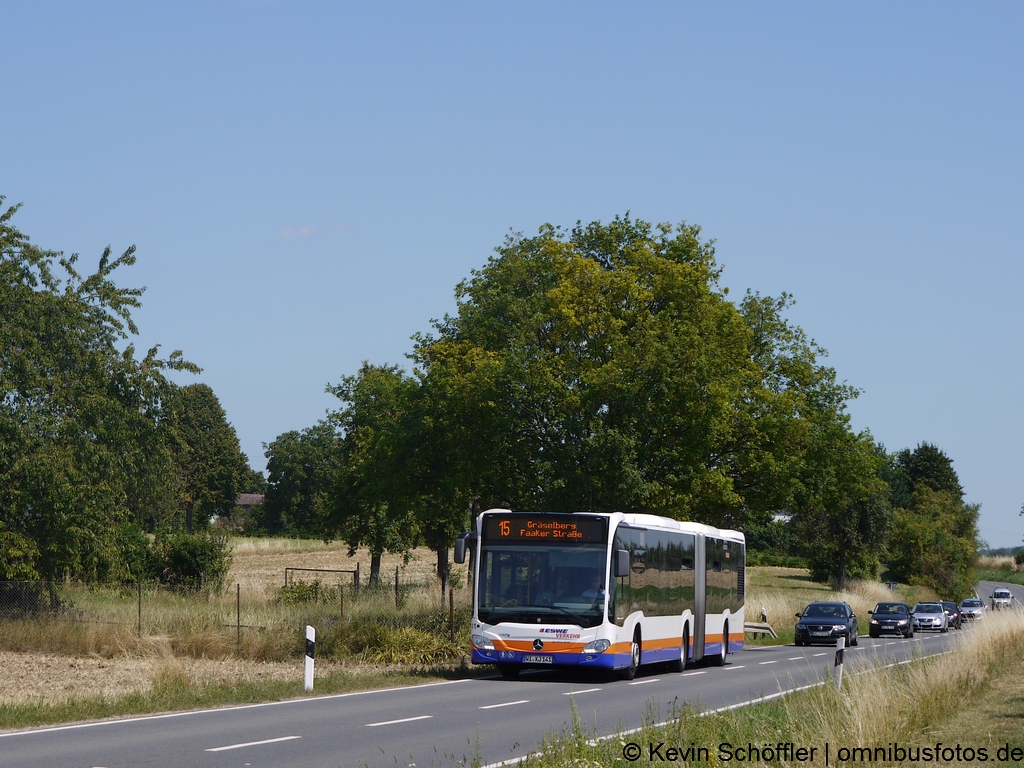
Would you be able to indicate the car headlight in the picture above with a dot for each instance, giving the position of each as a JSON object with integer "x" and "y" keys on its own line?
{"x": 597, "y": 646}
{"x": 901, "y": 622}
{"x": 874, "y": 621}
{"x": 838, "y": 627}
{"x": 481, "y": 643}
{"x": 802, "y": 627}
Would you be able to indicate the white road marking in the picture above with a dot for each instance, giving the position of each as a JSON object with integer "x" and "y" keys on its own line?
{"x": 794, "y": 658}
{"x": 191, "y": 713}
{"x": 762, "y": 663}
{"x": 403, "y": 720}
{"x": 585, "y": 690}
{"x": 251, "y": 744}
{"x": 821, "y": 654}
{"x": 732, "y": 666}
{"x": 645, "y": 682}
{"x": 690, "y": 674}
{"x": 506, "y": 704}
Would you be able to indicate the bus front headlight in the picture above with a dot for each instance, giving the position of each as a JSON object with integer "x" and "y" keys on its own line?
{"x": 597, "y": 646}
{"x": 481, "y": 643}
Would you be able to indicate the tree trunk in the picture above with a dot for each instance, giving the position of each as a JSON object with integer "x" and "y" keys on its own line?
{"x": 188, "y": 516}
{"x": 374, "y": 568}
{"x": 841, "y": 576}
{"x": 442, "y": 568}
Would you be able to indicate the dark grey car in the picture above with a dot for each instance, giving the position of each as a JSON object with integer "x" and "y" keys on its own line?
{"x": 825, "y": 623}
{"x": 891, "y": 619}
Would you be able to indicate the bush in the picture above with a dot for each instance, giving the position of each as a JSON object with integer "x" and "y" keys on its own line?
{"x": 1018, "y": 557}
{"x": 190, "y": 560}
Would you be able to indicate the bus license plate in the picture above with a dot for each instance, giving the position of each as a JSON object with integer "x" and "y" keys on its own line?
{"x": 531, "y": 658}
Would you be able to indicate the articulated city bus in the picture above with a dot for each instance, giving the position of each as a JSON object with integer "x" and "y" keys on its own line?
{"x": 541, "y": 597}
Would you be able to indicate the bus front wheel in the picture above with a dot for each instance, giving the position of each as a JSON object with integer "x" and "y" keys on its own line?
{"x": 684, "y": 652}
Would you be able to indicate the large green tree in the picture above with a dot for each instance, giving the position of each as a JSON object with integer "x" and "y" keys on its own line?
{"x": 604, "y": 368}
{"x": 371, "y": 501}
{"x": 212, "y": 469}
{"x": 301, "y": 465}
{"x": 82, "y": 457}
{"x": 842, "y": 512}
{"x": 934, "y": 538}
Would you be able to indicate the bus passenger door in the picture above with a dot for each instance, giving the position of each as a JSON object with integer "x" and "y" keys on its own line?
{"x": 699, "y": 597}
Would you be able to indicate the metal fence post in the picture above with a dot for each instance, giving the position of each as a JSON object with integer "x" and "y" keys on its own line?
{"x": 238, "y": 618}
{"x": 139, "y": 586}
{"x": 398, "y": 600}
{"x": 355, "y": 580}
{"x": 341, "y": 601}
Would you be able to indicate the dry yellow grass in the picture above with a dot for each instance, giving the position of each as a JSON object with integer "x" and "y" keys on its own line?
{"x": 927, "y": 702}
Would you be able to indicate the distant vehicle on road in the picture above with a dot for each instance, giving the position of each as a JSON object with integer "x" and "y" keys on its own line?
{"x": 972, "y": 608}
{"x": 930, "y": 616}
{"x": 1001, "y": 598}
{"x": 826, "y": 622}
{"x": 889, "y": 619}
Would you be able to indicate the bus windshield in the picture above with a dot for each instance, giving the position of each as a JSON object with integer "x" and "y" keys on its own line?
{"x": 552, "y": 583}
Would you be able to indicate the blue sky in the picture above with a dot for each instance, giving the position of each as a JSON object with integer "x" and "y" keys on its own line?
{"x": 307, "y": 182}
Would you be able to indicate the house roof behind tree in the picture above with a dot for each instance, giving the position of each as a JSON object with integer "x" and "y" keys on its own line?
{"x": 249, "y": 500}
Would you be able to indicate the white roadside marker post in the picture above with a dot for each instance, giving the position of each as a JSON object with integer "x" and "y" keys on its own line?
{"x": 310, "y": 650}
{"x": 837, "y": 668}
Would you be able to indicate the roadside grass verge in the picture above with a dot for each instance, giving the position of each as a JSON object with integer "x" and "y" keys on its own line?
{"x": 175, "y": 688}
{"x": 958, "y": 698}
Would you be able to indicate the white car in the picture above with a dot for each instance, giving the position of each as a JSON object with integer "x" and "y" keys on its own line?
{"x": 1001, "y": 598}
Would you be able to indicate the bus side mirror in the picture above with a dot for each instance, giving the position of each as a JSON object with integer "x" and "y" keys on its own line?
{"x": 621, "y": 563}
{"x": 464, "y": 540}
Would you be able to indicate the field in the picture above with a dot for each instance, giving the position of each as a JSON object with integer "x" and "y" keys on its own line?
{"x": 193, "y": 643}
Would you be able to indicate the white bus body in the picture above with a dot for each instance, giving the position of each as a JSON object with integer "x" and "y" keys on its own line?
{"x": 675, "y": 585}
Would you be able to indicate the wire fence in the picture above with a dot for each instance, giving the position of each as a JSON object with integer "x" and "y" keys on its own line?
{"x": 356, "y": 617}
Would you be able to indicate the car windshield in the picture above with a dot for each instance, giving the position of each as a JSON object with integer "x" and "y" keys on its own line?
{"x": 892, "y": 609}
{"x": 927, "y": 608}
{"x": 1002, "y": 593}
{"x": 949, "y": 606}
{"x": 971, "y": 603}
{"x": 825, "y": 612}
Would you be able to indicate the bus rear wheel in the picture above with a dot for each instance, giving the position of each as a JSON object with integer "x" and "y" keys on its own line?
{"x": 719, "y": 660}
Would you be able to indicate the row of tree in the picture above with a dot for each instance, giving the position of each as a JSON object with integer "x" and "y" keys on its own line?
{"x": 97, "y": 445}
{"x": 599, "y": 368}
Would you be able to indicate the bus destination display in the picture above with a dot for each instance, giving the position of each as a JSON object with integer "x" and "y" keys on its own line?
{"x": 564, "y": 528}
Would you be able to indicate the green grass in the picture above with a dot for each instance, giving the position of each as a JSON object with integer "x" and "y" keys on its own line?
{"x": 990, "y": 574}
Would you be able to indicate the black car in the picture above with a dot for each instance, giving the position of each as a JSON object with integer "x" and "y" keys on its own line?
{"x": 891, "y": 619}
{"x": 826, "y": 623}
{"x": 956, "y": 616}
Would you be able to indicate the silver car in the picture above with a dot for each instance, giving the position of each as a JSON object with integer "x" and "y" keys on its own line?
{"x": 930, "y": 616}
{"x": 972, "y": 608}
{"x": 1002, "y": 598}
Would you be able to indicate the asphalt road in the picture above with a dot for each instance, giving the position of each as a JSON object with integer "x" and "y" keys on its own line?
{"x": 489, "y": 720}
